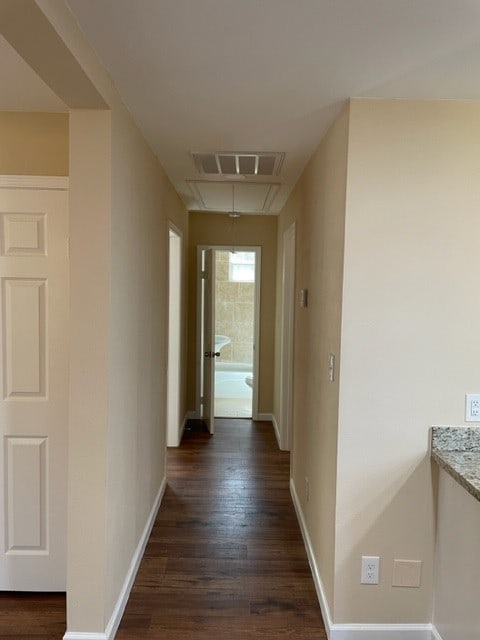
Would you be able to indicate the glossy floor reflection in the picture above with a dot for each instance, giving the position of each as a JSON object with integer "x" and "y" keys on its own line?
{"x": 225, "y": 558}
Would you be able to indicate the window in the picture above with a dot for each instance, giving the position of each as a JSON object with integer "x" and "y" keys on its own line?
{"x": 241, "y": 266}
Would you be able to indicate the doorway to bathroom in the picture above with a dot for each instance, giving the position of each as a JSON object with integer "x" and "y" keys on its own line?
{"x": 229, "y": 292}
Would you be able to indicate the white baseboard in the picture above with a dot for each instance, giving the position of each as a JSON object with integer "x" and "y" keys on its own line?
{"x": 80, "y": 635}
{"x": 317, "y": 580}
{"x": 182, "y": 428}
{"x": 354, "y": 631}
{"x": 276, "y": 429}
{"x": 264, "y": 417}
{"x": 116, "y": 617}
{"x": 435, "y": 634}
{"x": 380, "y": 632}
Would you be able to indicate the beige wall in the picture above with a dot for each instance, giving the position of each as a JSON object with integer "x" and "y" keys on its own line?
{"x": 120, "y": 203}
{"x": 457, "y": 563}
{"x": 317, "y": 206}
{"x": 218, "y": 229}
{"x": 410, "y": 346}
{"x": 234, "y": 312}
{"x": 34, "y": 144}
{"x": 141, "y": 207}
{"x": 90, "y": 210}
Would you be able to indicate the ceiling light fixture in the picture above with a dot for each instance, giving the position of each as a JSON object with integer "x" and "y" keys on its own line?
{"x": 233, "y": 214}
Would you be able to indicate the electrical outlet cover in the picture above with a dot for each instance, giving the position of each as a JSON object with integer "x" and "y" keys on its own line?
{"x": 406, "y": 573}
{"x": 370, "y": 570}
{"x": 472, "y": 407}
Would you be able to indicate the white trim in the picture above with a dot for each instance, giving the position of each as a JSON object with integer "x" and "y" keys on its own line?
{"x": 256, "y": 353}
{"x": 256, "y": 331}
{"x": 381, "y": 632}
{"x": 287, "y": 323}
{"x": 264, "y": 417}
{"x": 435, "y": 634}
{"x": 57, "y": 183}
{"x": 317, "y": 580}
{"x": 198, "y": 350}
{"x": 182, "y": 428}
{"x": 277, "y": 430}
{"x": 354, "y": 631}
{"x": 175, "y": 335}
{"x": 80, "y": 635}
{"x": 269, "y": 417}
{"x": 116, "y": 617}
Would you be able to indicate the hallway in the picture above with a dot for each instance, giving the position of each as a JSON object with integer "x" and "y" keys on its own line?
{"x": 225, "y": 558}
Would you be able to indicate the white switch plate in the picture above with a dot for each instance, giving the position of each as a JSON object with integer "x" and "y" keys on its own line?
{"x": 331, "y": 367}
{"x": 370, "y": 570}
{"x": 472, "y": 407}
{"x": 406, "y": 573}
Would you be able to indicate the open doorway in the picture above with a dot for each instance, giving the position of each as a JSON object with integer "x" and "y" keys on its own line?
{"x": 234, "y": 333}
{"x": 174, "y": 426}
{"x": 233, "y": 297}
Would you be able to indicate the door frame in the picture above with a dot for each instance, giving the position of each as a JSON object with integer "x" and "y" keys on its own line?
{"x": 287, "y": 338}
{"x": 174, "y": 431}
{"x": 53, "y": 508}
{"x": 256, "y": 330}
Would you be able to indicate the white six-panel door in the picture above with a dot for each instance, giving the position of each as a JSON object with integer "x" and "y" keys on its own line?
{"x": 33, "y": 388}
{"x": 209, "y": 340}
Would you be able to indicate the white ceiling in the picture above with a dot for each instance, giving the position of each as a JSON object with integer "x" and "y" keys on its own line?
{"x": 21, "y": 89}
{"x": 270, "y": 75}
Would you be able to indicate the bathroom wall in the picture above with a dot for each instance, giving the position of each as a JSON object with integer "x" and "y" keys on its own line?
{"x": 215, "y": 229}
{"x": 234, "y": 312}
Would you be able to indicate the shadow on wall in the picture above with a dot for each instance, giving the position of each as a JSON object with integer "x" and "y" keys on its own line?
{"x": 371, "y": 533}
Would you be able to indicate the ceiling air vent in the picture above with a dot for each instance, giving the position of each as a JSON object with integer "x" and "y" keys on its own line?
{"x": 238, "y": 164}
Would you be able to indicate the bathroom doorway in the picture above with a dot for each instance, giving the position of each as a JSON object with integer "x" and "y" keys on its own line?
{"x": 235, "y": 289}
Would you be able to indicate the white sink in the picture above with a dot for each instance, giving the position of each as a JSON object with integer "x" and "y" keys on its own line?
{"x": 221, "y": 341}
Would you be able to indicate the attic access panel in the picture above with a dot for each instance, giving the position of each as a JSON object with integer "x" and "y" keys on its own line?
{"x": 249, "y": 197}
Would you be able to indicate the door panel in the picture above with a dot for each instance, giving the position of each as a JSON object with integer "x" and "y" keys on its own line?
{"x": 209, "y": 339}
{"x": 34, "y": 388}
{"x": 26, "y": 486}
{"x": 24, "y": 337}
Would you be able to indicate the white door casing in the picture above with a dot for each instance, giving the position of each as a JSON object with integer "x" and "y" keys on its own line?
{"x": 34, "y": 278}
{"x": 208, "y": 279}
{"x": 174, "y": 338}
{"x": 286, "y": 359}
{"x": 201, "y": 249}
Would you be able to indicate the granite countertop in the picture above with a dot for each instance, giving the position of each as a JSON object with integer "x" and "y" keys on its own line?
{"x": 457, "y": 451}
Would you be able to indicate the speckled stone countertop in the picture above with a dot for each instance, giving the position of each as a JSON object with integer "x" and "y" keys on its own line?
{"x": 457, "y": 451}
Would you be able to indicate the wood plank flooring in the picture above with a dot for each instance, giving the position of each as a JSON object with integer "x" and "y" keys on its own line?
{"x": 225, "y": 559}
{"x": 32, "y": 616}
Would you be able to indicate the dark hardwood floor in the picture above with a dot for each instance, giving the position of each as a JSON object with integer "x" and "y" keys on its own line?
{"x": 27, "y": 616}
{"x": 225, "y": 559}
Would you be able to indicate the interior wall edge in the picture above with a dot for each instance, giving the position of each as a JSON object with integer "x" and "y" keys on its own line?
{"x": 317, "y": 579}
